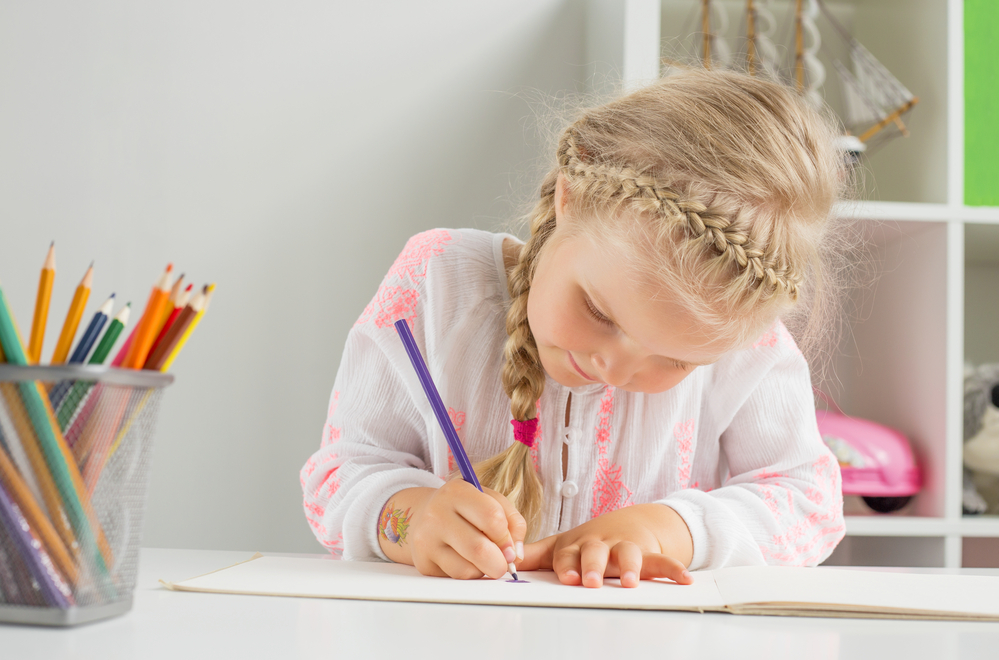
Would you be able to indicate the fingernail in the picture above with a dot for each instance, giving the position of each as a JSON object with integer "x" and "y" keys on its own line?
{"x": 629, "y": 579}
{"x": 687, "y": 575}
{"x": 571, "y": 575}
{"x": 592, "y": 576}
{"x": 509, "y": 554}
{"x": 520, "y": 550}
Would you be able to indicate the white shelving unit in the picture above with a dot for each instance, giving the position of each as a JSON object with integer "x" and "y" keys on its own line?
{"x": 902, "y": 364}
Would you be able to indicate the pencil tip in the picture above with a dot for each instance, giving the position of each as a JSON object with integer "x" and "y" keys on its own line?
{"x": 92, "y": 263}
{"x": 128, "y": 304}
{"x": 112, "y": 294}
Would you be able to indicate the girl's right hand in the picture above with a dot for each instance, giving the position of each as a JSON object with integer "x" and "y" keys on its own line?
{"x": 457, "y": 531}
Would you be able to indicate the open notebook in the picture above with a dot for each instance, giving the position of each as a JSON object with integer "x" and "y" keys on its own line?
{"x": 742, "y": 590}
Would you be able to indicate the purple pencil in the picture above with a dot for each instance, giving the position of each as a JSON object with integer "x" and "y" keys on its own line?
{"x": 440, "y": 412}
{"x": 54, "y": 589}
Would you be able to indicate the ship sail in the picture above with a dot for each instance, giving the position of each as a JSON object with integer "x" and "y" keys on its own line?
{"x": 874, "y": 98}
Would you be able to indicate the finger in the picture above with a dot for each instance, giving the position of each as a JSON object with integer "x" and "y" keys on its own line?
{"x": 538, "y": 555}
{"x": 479, "y": 550}
{"x": 456, "y": 566}
{"x": 565, "y": 563}
{"x": 486, "y": 514}
{"x": 514, "y": 522}
{"x": 593, "y": 557}
{"x": 655, "y": 565}
{"x": 627, "y": 556}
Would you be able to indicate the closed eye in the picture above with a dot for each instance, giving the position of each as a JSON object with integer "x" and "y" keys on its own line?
{"x": 595, "y": 313}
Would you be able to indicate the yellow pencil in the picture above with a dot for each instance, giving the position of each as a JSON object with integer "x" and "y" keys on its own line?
{"x": 209, "y": 290}
{"x": 73, "y": 317}
{"x": 42, "y": 307}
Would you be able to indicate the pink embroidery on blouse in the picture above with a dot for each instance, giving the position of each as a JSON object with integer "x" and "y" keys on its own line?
{"x": 683, "y": 432}
{"x": 335, "y": 546}
{"x": 330, "y": 432}
{"x": 307, "y": 470}
{"x": 609, "y": 491}
{"x": 809, "y": 538}
{"x": 412, "y": 261}
{"x": 390, "y": 304}
{"x": 786, "y": 337}
{"x": 768, "y": 338}
{"x": 458, "y": 419}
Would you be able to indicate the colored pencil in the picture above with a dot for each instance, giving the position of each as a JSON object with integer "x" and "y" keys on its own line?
{"x": 145, "y": 330}
{"x": 119, "y": 358}
{"x": 111, "y": 336}
{"x": 83, "y": 349}
{"x": 42, "y": 301}
{"x": 65, "y": 473}
{"x": 440, "y": 412}
{"x": 55, "y": 592}
{"x": 209, "y": 292}
{"x": 175, "y": 292}
{"x": 179, "y": 303}
{"x": 158, "y": 358}
{"x": 19, "y": 492}
{"x": 73, "y": 317}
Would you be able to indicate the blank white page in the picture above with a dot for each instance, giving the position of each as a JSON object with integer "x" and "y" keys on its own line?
{"x": 315, "y": 577}
{"x": 861, "y": 591}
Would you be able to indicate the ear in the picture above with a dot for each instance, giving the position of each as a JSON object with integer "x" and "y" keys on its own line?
{"x": 561, "y": 197}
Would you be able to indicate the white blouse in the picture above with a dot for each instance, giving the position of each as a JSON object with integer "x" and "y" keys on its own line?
{"x": 734, "y": 448}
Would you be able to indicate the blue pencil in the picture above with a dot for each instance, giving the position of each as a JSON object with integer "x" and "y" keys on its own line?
{"x": 453, "y": 441}
{"x": 82, "y": 350}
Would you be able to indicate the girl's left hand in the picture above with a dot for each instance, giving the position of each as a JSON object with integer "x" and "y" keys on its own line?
{"x": 643, "y": 541}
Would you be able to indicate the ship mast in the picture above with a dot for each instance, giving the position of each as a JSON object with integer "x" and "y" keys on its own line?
{"x": 799, "y": 46}
{"x": 706, "y": 30}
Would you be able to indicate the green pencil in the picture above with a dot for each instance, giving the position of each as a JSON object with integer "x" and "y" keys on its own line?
{"x": 76, "y": 395}
{"x": 34, "y": 399}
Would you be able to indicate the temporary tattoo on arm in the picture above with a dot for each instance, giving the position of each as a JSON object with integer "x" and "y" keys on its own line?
{"x": 393, "y": 524}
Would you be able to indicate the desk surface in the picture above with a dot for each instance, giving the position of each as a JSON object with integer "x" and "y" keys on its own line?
{"x": 189, "y": 626}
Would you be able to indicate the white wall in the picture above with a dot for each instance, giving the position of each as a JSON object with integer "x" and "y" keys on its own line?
{"x": 283, "y": 149}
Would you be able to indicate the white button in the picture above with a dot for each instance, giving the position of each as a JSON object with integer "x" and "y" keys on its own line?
{"x": 569, "y": 489}
{"x": 571, "y": 436}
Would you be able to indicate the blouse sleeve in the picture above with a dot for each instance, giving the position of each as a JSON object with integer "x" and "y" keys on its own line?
{"x": 782, "y": 502}
{"x": 374, "y": 445}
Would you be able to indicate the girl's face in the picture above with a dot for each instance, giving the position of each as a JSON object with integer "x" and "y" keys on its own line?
{"x": 593, "y": 323}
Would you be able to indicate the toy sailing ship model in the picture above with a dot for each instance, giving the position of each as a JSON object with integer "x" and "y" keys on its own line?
{"x": 874, "y": 101}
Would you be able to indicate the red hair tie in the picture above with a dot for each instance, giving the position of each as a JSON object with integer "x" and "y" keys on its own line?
{"x": 525, "y": 432}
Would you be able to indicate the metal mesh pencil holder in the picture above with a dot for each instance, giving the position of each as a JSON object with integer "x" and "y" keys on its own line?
{"x": 75, "y": 447}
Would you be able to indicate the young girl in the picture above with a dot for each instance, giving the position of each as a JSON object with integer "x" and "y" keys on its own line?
{"x": 662, "y": 414}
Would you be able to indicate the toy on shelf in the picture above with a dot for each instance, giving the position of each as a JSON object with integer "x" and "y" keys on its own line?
{"x": 876, "y": 461}
{"x": 981, "y": 439}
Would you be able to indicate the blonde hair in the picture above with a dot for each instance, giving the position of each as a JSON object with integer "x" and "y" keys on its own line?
{"x": 722, "y": 186}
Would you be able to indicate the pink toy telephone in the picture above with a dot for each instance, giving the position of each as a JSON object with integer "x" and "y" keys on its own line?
{"x": 876, "y": 461}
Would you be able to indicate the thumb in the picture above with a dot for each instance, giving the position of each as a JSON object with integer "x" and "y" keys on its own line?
{"x": 539, "y": 554}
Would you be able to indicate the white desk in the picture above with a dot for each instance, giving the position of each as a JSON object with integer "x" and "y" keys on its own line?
{"x": 190, "y": 626}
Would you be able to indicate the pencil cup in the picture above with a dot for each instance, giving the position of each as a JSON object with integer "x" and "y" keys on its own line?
{"x": 75, "y": 444}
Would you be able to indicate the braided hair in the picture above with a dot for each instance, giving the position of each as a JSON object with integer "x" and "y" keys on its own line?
{"x": 722, "y": 185}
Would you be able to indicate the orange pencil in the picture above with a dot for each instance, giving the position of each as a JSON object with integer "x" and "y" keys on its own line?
{"x": 73, "y": 317}
{"x": 175, "y": 292}
{"x": 33, "y": 513}
{"x": 34, "y": 352}
{"x": 145, "y": 330}
{"x": 179, "y": 303}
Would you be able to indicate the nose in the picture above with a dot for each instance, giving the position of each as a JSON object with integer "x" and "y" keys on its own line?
{"x": 614, "y": 368}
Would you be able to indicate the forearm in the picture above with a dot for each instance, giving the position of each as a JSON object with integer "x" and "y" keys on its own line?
{"x": 396, "y": 517}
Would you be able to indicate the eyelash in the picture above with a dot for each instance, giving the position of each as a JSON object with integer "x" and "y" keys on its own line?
{"x": 600, "y": 318}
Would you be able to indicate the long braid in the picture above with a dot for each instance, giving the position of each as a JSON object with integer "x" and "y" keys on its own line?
{"x": 512, "y": 471}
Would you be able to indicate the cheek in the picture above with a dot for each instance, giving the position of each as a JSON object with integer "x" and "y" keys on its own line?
{"x": 658, "y": 380}
{"x": 553, "y": 323}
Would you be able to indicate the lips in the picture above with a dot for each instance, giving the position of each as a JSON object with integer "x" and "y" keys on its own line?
{"x": 576, "y": 367}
